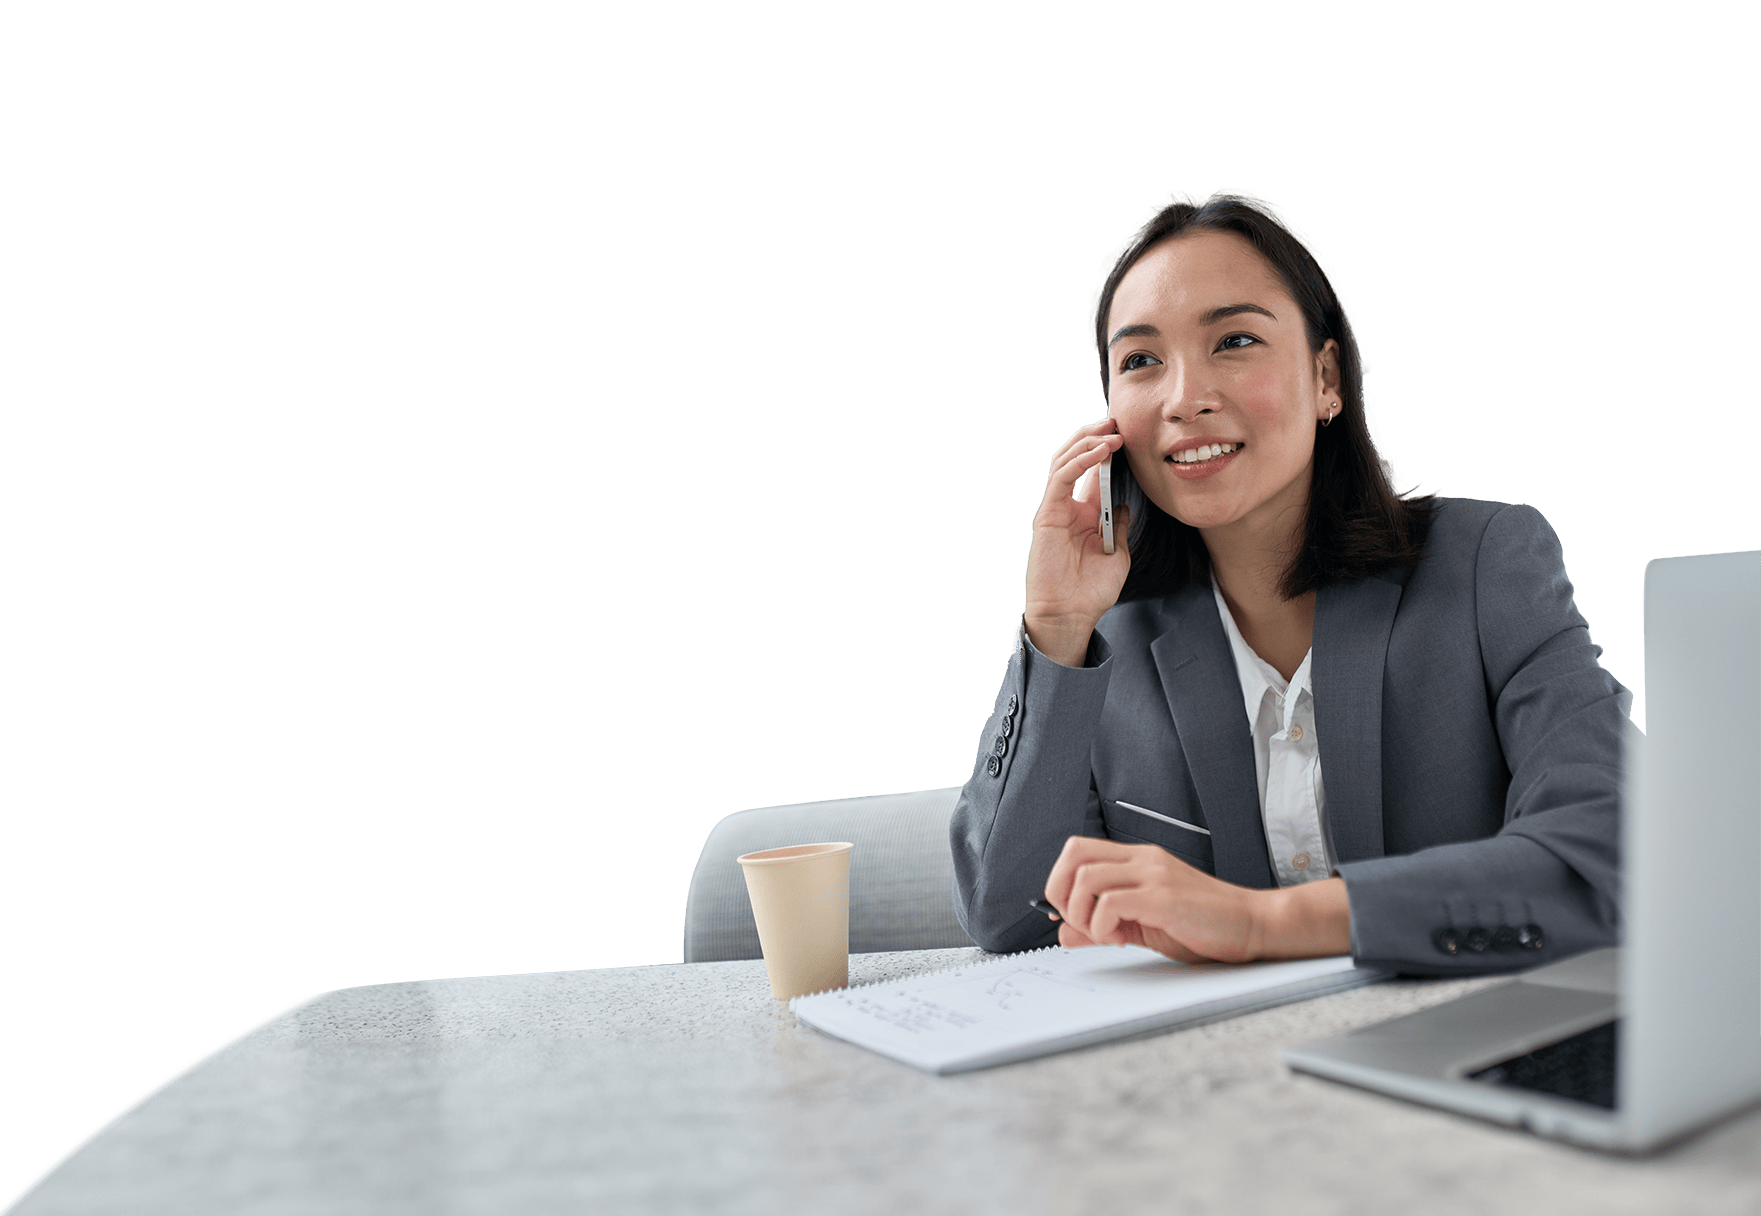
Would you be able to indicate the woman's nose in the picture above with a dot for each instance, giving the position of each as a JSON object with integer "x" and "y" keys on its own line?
{"x": 1184, "y": 407}
{"x": 1186, "y": 400}
{"x": 1186, "y": 411}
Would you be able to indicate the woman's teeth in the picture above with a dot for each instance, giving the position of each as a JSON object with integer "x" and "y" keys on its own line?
{"x": 1199, "y": 455}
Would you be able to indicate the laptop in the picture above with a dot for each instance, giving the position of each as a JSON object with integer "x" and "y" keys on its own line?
{"x": 1628, "y": 1049}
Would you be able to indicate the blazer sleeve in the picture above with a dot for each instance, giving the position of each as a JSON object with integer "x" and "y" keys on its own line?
{"x": 1030, "y": 790}
{"x": 1560, "y": 720}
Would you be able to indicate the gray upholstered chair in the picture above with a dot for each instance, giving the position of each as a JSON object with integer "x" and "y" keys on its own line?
{"x": 901, "y": 873}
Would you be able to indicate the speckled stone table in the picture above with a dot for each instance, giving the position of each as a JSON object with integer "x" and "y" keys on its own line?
{"x": 687, "y": 1089}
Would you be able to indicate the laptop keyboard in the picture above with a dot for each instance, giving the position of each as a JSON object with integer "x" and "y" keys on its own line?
{"x": 1581, "y": 1068}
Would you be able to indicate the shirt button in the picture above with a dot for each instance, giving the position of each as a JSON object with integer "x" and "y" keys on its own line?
{"x": 1300, "y": 861}
{"x": 1296, "y": 732}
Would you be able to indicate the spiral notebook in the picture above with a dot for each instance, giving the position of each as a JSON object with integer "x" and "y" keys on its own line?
{"x": 1019, "y": 1006}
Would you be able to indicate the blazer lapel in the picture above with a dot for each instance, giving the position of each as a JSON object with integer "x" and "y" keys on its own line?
{"x": 1204, "y": 693}
{"x": 1352, "y": 624}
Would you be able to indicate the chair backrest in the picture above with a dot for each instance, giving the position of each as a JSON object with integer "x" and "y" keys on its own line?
{"x": 901, "y": 873}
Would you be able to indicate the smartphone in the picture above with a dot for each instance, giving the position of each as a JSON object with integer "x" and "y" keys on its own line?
{"x": 1107, "y": 503}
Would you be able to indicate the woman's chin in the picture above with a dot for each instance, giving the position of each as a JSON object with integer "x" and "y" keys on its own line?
{"x": 1238, "y": 505}
{"x": 1206, "y": 515}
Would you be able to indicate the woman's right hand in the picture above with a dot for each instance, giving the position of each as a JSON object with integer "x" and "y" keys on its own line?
{"x": 1071, "y": 579}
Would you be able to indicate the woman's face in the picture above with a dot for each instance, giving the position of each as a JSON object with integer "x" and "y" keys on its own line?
{"x": 1207, "y": 348}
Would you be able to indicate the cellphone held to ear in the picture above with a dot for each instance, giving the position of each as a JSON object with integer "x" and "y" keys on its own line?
{"x": 1107, "y": 503}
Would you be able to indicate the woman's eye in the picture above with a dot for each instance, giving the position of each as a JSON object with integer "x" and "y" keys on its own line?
{"x": 1236, "y": 341}
{"x": 1133, "y": 362}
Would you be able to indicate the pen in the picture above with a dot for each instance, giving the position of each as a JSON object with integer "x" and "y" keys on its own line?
{"x": 1040, "y": 905}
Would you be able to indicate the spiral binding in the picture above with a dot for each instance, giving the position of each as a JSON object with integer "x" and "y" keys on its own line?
{"x": 925, "y": 975}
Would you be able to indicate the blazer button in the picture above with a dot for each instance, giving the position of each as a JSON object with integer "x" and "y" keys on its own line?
{"x": 1447, "y": 941}
{"x": 1529, "y": 937}
{"x": 1013, "y": 705}
{"x": 1477, "y": 939}
{"x": 992, "y": 765}
{"x": 999, "y": 745}
{"x": 1504, "y": 939}
{"x": 1007, "y": 727}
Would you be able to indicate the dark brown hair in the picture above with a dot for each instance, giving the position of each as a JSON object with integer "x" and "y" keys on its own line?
{"x": 1356, "y": 524}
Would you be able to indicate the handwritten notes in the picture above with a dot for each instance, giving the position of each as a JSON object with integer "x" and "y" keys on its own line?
{"x": 1018, "y": 1006}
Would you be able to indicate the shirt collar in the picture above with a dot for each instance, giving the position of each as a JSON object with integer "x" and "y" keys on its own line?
{"x": 1258, "y": 676}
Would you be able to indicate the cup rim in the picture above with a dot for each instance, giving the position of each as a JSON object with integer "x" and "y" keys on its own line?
{"x": 794, "y": 852}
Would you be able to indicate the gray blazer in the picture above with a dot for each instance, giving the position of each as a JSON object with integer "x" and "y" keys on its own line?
{"x": 1469, "y": 740}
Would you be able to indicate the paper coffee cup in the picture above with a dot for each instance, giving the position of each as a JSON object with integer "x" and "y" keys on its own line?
{"x": 801, "y": 901}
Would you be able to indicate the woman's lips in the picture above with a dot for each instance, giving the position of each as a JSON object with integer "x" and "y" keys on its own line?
{"x": 1202, "y": 469}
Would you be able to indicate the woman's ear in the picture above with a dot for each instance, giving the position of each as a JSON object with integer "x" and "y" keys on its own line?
{"x": 1327, "y": 396}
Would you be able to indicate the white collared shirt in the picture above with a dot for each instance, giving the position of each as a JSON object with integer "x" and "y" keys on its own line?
{"x": 1287, "y": 758}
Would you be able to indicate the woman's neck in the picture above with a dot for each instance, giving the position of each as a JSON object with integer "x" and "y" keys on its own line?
{"x": 1249, "y": 558}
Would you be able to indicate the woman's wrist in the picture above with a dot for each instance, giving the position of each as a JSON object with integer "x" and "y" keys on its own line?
{"x": 1309, "y": 921}
{"x": 1061, "y": 640}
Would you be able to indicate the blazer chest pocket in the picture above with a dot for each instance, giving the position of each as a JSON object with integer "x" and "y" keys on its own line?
{"x": 1136, "y": 824}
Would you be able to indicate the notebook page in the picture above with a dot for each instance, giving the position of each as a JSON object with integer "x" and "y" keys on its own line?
{"x": 1029, "y": 1004}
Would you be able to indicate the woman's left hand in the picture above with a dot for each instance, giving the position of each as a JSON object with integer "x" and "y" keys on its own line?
{"x": 1142, "y": 895}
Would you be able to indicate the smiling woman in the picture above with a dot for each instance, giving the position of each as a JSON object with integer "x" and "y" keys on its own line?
{"x": 1355, "y": 524}
{"x": 1430, "y": 771}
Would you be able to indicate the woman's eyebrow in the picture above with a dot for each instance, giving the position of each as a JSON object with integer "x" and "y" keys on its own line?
{"x": 1230, "y": 310}
{"x": 1134, "y": 331}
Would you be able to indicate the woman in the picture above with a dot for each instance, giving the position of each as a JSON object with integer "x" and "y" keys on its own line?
{"x": 1295, "y": 715}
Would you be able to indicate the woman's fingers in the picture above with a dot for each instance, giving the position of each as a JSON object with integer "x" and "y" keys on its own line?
{"x": 1088, "y": 486}
{"x": 1094, "y": 882}
{"x": 1069, "y": 937}
{"x": 1077, "y": 851}
{"x": 1077, "y": 460}
{"x": 1143, "y": 906}
{"x": 1081, "y": 439}
{"x": 1080, "y": 458}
